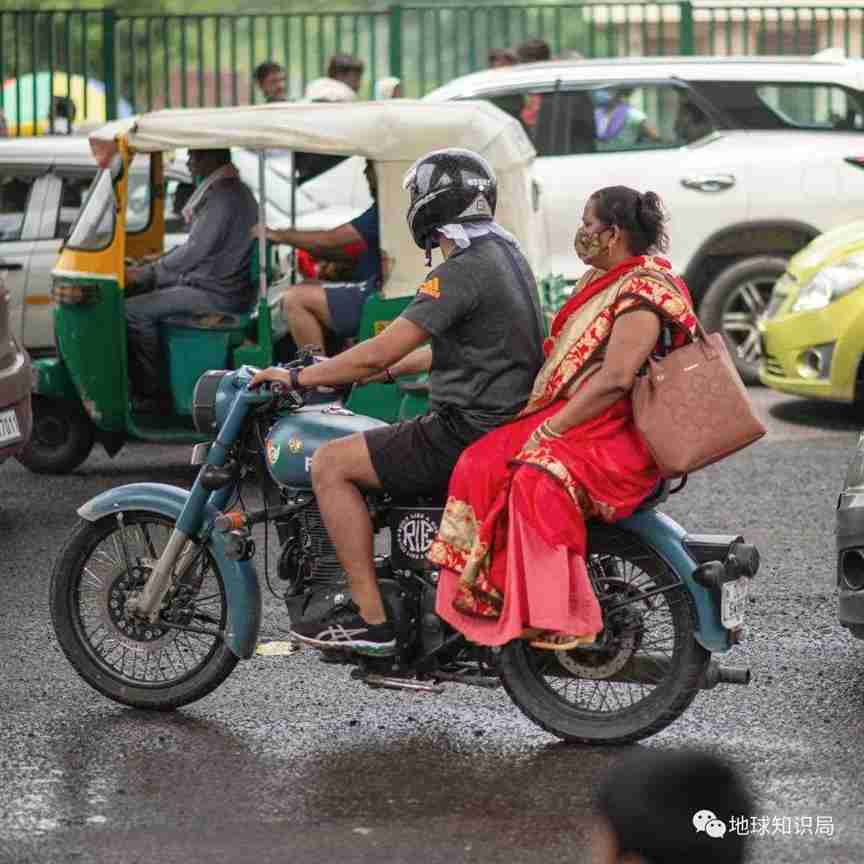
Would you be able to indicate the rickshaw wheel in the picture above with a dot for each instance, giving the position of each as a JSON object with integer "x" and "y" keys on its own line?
{"x": 62, "y": 437}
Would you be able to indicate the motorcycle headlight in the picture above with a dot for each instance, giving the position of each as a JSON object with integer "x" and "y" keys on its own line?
{"x": 830, "y": 284}
{"x": 204, "y": 399}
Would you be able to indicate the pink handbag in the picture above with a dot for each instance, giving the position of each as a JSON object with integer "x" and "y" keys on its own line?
{"x": 692, "y": 408}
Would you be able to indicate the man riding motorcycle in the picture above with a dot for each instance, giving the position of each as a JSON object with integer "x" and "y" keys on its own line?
{"x": 480, "y": 312}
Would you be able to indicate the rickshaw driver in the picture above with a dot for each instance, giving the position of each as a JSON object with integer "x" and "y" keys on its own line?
{"x": 480, "y": 311}
{"x": 208, "y": 273}
{"x": 311, "y": 307}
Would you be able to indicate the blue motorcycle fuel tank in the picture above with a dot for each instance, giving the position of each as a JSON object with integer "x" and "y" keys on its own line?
{"x": 294, "y": 438}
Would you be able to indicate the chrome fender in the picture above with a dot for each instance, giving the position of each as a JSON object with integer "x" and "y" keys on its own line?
{"x": 665, "y": 536}
{"x": 242, "y": 590}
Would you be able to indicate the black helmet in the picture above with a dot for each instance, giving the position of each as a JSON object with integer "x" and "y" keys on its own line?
{"x": 445, "y": 186}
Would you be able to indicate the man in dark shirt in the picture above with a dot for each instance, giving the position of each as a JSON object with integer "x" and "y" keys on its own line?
{"x": 208, "y": 273}
{"x": 480, "y": 313}
{"x": 310, "y": 308}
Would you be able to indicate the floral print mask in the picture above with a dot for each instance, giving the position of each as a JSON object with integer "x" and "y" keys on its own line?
{"x": 589, "y": 245}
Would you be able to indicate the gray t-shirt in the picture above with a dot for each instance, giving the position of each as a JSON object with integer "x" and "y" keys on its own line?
{"x": 482, "y": 311}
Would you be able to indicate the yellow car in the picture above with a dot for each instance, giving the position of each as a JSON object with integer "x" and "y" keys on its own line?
{"x": 813, "y": 331}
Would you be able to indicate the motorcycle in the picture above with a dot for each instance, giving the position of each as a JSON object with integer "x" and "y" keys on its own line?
{"x": 155, "y": 598}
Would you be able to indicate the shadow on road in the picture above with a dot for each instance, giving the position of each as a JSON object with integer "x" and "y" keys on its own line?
{"x": 815, "y": 414}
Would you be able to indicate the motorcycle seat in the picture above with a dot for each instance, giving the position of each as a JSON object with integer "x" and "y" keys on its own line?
{"x": 657, "y": 496}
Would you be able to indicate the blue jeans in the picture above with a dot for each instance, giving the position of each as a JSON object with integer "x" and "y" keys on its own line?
{"x": 143, "y": 314}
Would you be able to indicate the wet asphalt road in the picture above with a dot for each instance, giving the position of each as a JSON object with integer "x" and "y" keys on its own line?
{"x": 291, "y": 761}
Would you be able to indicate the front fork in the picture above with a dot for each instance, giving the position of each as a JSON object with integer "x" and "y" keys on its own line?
{"x": 147, "y": 603}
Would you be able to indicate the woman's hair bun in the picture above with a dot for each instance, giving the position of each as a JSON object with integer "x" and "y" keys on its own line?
{"x": 640, "y": 214}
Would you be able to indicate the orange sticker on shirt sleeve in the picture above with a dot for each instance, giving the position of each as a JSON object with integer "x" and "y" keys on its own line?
{"x": 432, "y": 288}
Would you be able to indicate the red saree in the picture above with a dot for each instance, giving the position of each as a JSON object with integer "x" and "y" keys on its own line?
{"x": 512, "y": 542}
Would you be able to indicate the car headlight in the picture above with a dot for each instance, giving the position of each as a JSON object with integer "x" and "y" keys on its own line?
{"x": 830, "y": 284}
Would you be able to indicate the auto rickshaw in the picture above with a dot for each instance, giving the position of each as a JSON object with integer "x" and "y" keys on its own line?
{"x": 82, "y": 394}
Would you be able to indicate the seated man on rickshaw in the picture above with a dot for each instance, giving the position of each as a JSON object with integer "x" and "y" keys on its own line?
{"x": 314, "y": 308}
{"x": 209, "y": 273}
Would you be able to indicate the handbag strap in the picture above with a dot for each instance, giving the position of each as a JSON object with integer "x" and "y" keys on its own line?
{"x": 705, "y": 345}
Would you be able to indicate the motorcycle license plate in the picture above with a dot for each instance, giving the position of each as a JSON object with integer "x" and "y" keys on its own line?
{"x": 733, "y": 603}
{"x": 9, "y": 430}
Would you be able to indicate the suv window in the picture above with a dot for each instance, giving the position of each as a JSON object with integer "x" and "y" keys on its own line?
{"x": 792, "y": 105}
{"x": 813, "y": 106}
{"x": 14, "y": 195}
{"x": 607, "y": 118}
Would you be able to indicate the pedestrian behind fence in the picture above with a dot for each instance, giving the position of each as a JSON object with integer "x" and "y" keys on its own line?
{"x": 342, "y": 82}
{"x": 499, "y": 58}
{"x": 672, "y": 808}
{"x": 270, "y": 78}
{"x": 534, "y": 50}
{"x": 388, "y": 88}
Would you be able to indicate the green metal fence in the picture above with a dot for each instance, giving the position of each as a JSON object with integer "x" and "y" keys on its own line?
{"x": 110, "y": 64}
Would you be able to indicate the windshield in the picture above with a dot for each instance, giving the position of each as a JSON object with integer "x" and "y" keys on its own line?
{"x": 94, "y": 227}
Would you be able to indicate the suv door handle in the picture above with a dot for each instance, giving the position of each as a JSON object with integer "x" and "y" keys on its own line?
{"x": 709, "y": 182}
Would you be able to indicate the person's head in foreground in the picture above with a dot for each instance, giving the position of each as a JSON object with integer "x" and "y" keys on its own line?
{"x": 672, "y": 808}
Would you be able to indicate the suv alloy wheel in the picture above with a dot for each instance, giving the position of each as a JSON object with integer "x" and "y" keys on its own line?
{"x": 733, "y": 305}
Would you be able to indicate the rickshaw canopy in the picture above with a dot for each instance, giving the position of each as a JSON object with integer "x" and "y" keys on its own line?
{"x": 393, "y": 133}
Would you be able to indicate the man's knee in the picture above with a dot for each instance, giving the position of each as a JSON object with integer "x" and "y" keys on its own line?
{"x": 330, "y": 465}
{"x": 306, "y": 297}
{"x": 343, "y": 460}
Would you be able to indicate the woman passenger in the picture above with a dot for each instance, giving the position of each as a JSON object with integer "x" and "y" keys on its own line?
{"x": 512, "y": 542}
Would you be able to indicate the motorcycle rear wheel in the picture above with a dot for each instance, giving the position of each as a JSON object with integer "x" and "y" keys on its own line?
{"x": 588, "y": 695}
{"x": 133, "y": 662}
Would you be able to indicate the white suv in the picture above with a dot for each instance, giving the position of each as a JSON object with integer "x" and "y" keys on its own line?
{"x": 753, "y": 157}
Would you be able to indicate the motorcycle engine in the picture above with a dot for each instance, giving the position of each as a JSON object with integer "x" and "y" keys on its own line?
{"x": 308, "y": 558}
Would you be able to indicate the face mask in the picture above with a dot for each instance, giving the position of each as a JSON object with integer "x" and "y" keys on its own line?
{"x": 589, "y": 245}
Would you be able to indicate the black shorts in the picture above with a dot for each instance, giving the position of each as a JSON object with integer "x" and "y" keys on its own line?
{"x": 416, "y": 457}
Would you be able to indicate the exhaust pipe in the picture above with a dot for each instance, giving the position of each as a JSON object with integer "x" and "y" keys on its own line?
{"x": 652, "y": 669}
{"x": 385, "y": 683}
{"x": 716, "y": 674}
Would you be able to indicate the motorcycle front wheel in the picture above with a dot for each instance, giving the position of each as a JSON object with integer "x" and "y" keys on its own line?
{"x": 644, "y": 669}
{"x": 158, "y": 666}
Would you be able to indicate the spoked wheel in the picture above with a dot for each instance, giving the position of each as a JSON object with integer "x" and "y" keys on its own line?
{"x": 642, "y": 672}
{"x": 126, "y": 658}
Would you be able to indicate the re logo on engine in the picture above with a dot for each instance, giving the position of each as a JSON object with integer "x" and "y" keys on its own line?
{"x": 415, "y": 535}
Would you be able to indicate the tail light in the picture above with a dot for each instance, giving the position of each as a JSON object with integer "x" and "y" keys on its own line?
{"x": 857, "y": 161}
{"x": 76, "y": 293}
